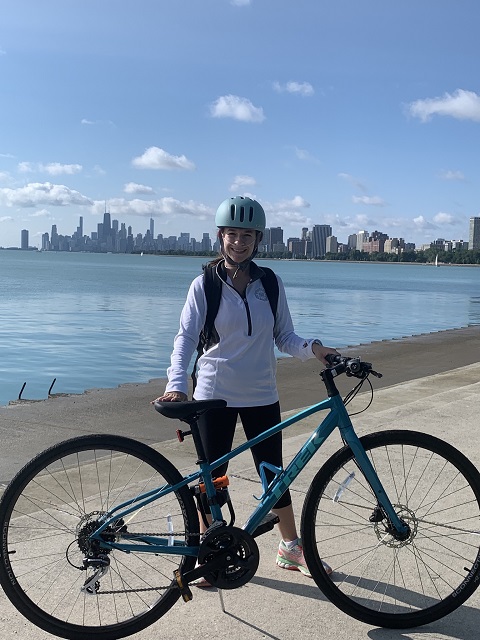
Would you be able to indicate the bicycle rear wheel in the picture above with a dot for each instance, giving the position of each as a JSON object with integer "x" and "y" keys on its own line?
{"x": 52, "y": 505}
{"x": 378, "y": 579}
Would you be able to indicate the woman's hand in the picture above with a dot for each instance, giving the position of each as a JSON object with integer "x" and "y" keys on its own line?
{"x": 171, "y": 396}
{"x": 319, "y": 351}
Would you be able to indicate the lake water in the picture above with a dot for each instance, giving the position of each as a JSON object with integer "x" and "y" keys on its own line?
{"x": 99, "y": 320}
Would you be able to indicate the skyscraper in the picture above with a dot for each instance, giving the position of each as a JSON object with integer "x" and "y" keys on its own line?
{"x": 362, "y": 236}
{"x": 320, "y": 233}
{"x": 276, "y": 237}
{"x": 474, "y": 237}
{"x": 24, "y": 244}
{"x": 107, "y": 224}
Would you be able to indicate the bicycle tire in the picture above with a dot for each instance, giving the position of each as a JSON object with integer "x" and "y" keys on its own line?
{"x": 376, "y": 579}
{"x": 46, "y": 513}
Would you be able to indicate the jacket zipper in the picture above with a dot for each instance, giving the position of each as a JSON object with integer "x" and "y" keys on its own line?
{"x": 247, "y": 308}
{"x": 249, "y": 317}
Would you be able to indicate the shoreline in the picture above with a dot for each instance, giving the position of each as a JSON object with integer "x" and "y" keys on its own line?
{"x": 400, "y": 350}
{"x": 28, "y": 428}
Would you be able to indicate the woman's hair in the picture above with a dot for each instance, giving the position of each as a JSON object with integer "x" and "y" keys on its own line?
{"x": 215, "y": 261}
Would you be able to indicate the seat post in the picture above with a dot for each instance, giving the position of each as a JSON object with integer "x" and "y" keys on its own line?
{"x": 197, "y": 440}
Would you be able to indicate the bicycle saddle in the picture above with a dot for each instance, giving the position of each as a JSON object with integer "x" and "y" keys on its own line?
{"x": 188, "y": 409}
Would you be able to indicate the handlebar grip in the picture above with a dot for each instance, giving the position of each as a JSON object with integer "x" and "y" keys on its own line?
{"x": 332, "y": 359}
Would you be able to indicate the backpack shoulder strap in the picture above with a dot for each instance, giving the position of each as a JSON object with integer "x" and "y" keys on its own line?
{"x": 212, "y": 286}
{"x": 270, "y": 284}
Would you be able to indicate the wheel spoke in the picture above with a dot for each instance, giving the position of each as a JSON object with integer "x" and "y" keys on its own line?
{"x": 48, "y": 514}
{"x": 379, "y": 578}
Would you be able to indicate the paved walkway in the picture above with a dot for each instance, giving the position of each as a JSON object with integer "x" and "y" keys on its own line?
{"x": 281, "y": 605}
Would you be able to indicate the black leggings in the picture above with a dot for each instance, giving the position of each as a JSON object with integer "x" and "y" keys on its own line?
{"x": 217, "y": 429}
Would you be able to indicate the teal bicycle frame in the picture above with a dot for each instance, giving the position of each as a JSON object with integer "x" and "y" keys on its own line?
{"x": 337, "y": 417}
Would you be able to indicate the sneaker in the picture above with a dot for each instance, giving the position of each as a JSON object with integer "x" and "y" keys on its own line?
{"x": 294, "y": 560}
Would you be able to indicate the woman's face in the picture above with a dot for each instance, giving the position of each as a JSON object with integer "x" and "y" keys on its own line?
{"x": 239, "y": 244}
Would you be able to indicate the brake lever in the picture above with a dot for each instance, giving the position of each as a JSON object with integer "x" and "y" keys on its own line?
{"x": 376, "y": 374}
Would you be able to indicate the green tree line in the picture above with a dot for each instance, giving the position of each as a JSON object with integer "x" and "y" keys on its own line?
{"x": 457, "y": 256}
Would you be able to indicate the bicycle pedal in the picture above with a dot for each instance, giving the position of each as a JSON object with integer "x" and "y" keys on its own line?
{"x": 185, "y": 591}
{"x": 267, "y": 524}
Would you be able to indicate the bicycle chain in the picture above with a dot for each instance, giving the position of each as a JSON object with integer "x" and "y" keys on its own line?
{"x": 144, "y": 589}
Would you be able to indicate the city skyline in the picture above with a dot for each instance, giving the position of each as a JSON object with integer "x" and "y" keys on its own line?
{"x": 113, "y": 235}
{"x": 360, "y": 115}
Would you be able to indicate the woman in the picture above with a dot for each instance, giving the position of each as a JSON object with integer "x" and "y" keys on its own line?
{"x": 240, "y": 365}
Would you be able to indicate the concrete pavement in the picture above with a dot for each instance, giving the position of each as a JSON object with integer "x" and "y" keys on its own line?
{"x": 281, "y": 605}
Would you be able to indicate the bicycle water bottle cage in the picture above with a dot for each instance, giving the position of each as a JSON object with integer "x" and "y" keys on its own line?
{"x": 263, "y": 476}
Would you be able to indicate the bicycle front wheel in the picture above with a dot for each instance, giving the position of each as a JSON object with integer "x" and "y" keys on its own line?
{"x": 377, "y": 578}
{"x": 47, "y": 514}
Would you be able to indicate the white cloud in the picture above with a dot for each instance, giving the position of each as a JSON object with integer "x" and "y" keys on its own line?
{"x": 353, "y": 181}
{"x": 92, "y": 123}
{"x": 422, "y": 223}
{"x": 242, "y": 181}
{"x": 462, "y": 105}
{"x": 6, "y": 155}
{"x": 133, "y": 187}
{"x": 369, "y": 200}
{"x": 156, "y": 158}
{"x": 241, "y": 3}
{"x": 3, "y": 52}
{"x": 52, "y": 168}
{"x": 237, "y": 108}
{"x": 6, "y": 219}
{"x": 288, "y": 212}
{"x": 303, "y": 154}
{"x": 297, "y": 202}
{"x": 293, "y": 218}
{"x": 36, "y": 193}
{"x": 444, "y": 218}
{"x": 5, "y": 176}
{"x": 301, "y": 88}
{"x": 452, "y": 175}
{"x": 25, "y": 167}
{"x": 163, "y": 207}
{"x": 41, "y": 213}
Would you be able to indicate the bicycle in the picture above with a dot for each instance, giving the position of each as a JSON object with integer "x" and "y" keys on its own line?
{"x": 396, "y": 513}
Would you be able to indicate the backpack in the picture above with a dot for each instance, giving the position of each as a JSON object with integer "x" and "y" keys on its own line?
{"x": 213, "y": 293}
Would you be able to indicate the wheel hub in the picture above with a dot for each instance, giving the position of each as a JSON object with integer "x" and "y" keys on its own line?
{"x": 388, "y": 536}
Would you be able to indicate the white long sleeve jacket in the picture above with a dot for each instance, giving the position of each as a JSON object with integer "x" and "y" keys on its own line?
{"x": 241, "y": 367}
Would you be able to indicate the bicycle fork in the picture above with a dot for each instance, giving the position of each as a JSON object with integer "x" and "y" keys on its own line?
{"x": 385, "y": 510}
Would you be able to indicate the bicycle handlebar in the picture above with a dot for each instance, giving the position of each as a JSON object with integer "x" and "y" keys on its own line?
{"x": 350, "y": 366}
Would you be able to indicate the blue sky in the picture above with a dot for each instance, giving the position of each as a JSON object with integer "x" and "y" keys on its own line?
{"x": 358, "y": 114}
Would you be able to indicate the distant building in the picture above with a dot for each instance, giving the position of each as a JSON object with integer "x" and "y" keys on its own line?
{"x": 331, "y": 245}
{"x": 276, "y": 238}
{"x": 297, "y": 247}
{"x": 320, "y": 233}
{"x": 474, "y": 236}
{"x": 394, "y": 245}
{"x": 362, "y": 236}
{"x": 24, "y": 240}
{"x": 206, "y": 242}
{"x": 375, "y": 242}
